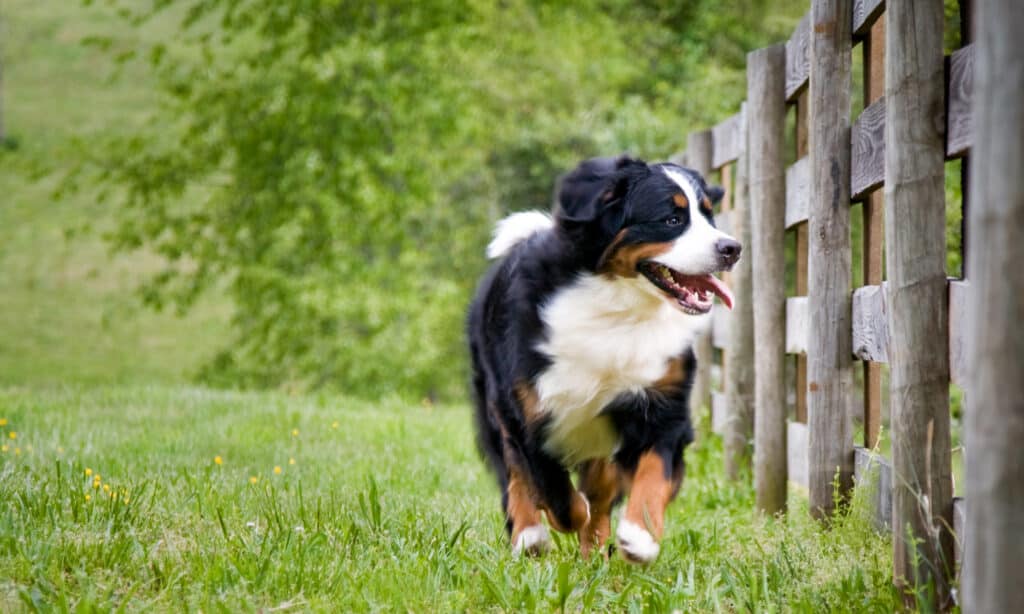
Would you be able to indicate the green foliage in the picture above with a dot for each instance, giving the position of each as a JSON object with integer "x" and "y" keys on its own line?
{"x": 386, "y": 508}
{"x": 338, "y": 165}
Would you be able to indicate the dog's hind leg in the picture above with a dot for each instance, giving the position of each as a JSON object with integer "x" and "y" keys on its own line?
{"x": 654, "y": 484}
{"x": 526, "y": 528}
{"x": 600, "y": 484}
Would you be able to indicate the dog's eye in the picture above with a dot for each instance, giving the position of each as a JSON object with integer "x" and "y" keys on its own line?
{"x": 674, "y": 221}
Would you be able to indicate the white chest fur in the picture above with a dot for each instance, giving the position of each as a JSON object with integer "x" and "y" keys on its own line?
{"x": 605, "y": 337}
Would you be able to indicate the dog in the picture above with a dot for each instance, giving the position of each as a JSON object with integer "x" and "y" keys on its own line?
{"x": 580, "y": 339}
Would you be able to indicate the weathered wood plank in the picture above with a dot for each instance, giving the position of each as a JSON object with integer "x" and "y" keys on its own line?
{"x": 865, "y": 12}
{"x": 796, "y": 452}
{"x": 766, "y": 114}
{"x": 995, "y": 388}
{"x": 916, "y": 300}
{"x": 720, "y": 326}
{"x": 870, "y": 324}
{"x": 723, "y": 221}
{"x": 958, "y": 97}
{"x": 698, "y": 157}
{"x": 959, "y": 531}
{"x": 867, "y": 140}
{"x": 798, "y": 54}
{"x": 727, "y": 141}
{"x": 798, "y": 178}
{"x": 719, "y": 412}
{"x": 796, "y": 325}
{"x": 829, "y": 358}
{"x": 875, "y": 472}
{"x": 802, "y": 140}
{"x": 959, "y": 298}
{"x": 739, "y": 368}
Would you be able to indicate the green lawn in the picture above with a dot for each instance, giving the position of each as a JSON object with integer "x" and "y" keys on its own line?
{"x": 386, "y": 507}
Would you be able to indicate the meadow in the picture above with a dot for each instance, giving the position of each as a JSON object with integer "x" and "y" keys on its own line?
{"x": 126, "y": 486}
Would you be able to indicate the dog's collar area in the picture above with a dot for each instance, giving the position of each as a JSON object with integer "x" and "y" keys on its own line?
{"x": 694, "y": 294}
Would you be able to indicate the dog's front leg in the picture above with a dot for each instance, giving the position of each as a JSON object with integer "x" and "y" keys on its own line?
{"x": 641, "y": 526}
{"x": 566, "y": 508}
{"x": 600, "y": 484}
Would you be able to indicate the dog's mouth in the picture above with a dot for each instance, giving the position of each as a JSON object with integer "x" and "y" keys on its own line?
{"x": 694, "y": 294}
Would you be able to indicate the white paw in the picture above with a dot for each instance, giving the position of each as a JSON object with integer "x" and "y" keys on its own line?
{"x": 532, "y": 540}
{"x": 636, "y": 543}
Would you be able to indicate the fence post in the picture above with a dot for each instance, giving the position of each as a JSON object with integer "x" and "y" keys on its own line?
{"x": 766, "y": 118}
{"x": 698, "y": 156}
{"x": 993, "y": 574}
{"x": 915, "y": 242}
{"x": 739, "y": 368}
{"x": 829, "y": 343}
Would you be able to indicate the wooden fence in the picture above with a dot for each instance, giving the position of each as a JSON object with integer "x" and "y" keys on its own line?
{"x": 794, "y": 358}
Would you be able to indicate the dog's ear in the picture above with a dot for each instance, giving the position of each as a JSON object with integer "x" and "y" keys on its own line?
{"x": 715, "y": 193}
{"x": 606, "y": 208}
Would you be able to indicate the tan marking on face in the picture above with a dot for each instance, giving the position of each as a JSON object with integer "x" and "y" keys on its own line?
{"x": 650, "y": 494}
{"x": 621, "y": 261}
{"x": 680, "y": 200}
{"x": 705, "y": 204}
{"x": 600, "y": 481}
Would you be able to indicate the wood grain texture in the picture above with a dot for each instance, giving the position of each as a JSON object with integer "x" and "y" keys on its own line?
{"x": 719, "y": 413}
{"x": 802, "y": 108}
{"x": 829, "y": 359}
{"x": 995, "y": 354}
{"x": 798, "y": 178}
{"x": 870, "y": 324}
{"x": 721, "y": 325}
{"x": 698, "y": 157}
{"x": 798, "y": 58}
{"x": 873, "y": 235}
{"x": 958, "y": 107}
{"x": 865, "y": 12}
{"x": 916, "y": 301}
{"x": 766, "y": 112}
{"x": 726, "y": 141}
{"x": 867, "y": 156}
{"x": 796, "y": 452}
{"x": 959, "y": 302}
{"x": 739, "y": 367}
{"x": 874, "y": 472}
{"x": 796, "y": 325}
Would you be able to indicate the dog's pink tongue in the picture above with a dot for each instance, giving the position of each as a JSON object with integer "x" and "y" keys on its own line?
{"x": 719, "y": 288}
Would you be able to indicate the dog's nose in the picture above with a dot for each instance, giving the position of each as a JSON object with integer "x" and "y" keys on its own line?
{"x": 728, "y": 250}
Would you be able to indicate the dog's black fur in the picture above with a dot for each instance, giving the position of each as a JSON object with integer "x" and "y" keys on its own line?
{"x": 604, "y": 206}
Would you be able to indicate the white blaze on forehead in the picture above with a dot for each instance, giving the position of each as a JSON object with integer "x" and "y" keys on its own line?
{"x": 685, "y": 184}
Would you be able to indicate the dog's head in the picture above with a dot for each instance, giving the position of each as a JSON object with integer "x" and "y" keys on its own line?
{"x": 634, "y": 220}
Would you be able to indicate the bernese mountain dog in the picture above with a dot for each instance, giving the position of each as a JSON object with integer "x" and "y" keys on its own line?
{"x": 581, "y": 339}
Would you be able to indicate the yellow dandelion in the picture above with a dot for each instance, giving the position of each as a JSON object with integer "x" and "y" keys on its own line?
{"x": 295, "y": 432}
{"x": 335, "y": 424}
{"x": 253, "y": 479}
{"x": 277, "y": 469}
{"x": 113, "y": 495}
{"x": 5, "y": 447}
{"x": 12, "y": 435}
{"x": 88, "y": 472}
{"x": 106, "y": 488}
{"x": 3, "y": 421}
{"x": 88, "y": 497}
{"x": 291, "y": 461}
{"x": 17, "y": 451}
{"x": 218, "y": 460}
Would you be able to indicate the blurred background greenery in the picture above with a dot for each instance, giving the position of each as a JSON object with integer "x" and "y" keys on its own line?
{"x": 303, "y": 189}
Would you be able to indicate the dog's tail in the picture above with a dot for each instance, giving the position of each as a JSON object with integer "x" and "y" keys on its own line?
{"x": 517, "y": 228}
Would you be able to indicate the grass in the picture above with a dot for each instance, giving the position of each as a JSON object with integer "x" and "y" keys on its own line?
{"x": 386, "y": 507}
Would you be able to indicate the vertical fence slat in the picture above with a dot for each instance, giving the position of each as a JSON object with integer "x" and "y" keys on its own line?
{"x": 829, "y": 360}
{"x": 698, "y": 157}
{"x": 766, "y": 112}
{"x": 916, "y": 258}
{"x": 802, "y": 148}
{"x": 995, "y": 418}
{"x": 873, "y": 208}
{"x": 739, "y": 368}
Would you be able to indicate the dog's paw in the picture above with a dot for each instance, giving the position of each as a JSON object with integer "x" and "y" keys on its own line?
{"x": 635, "y": 543}
{"x": 532, "y": 540}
